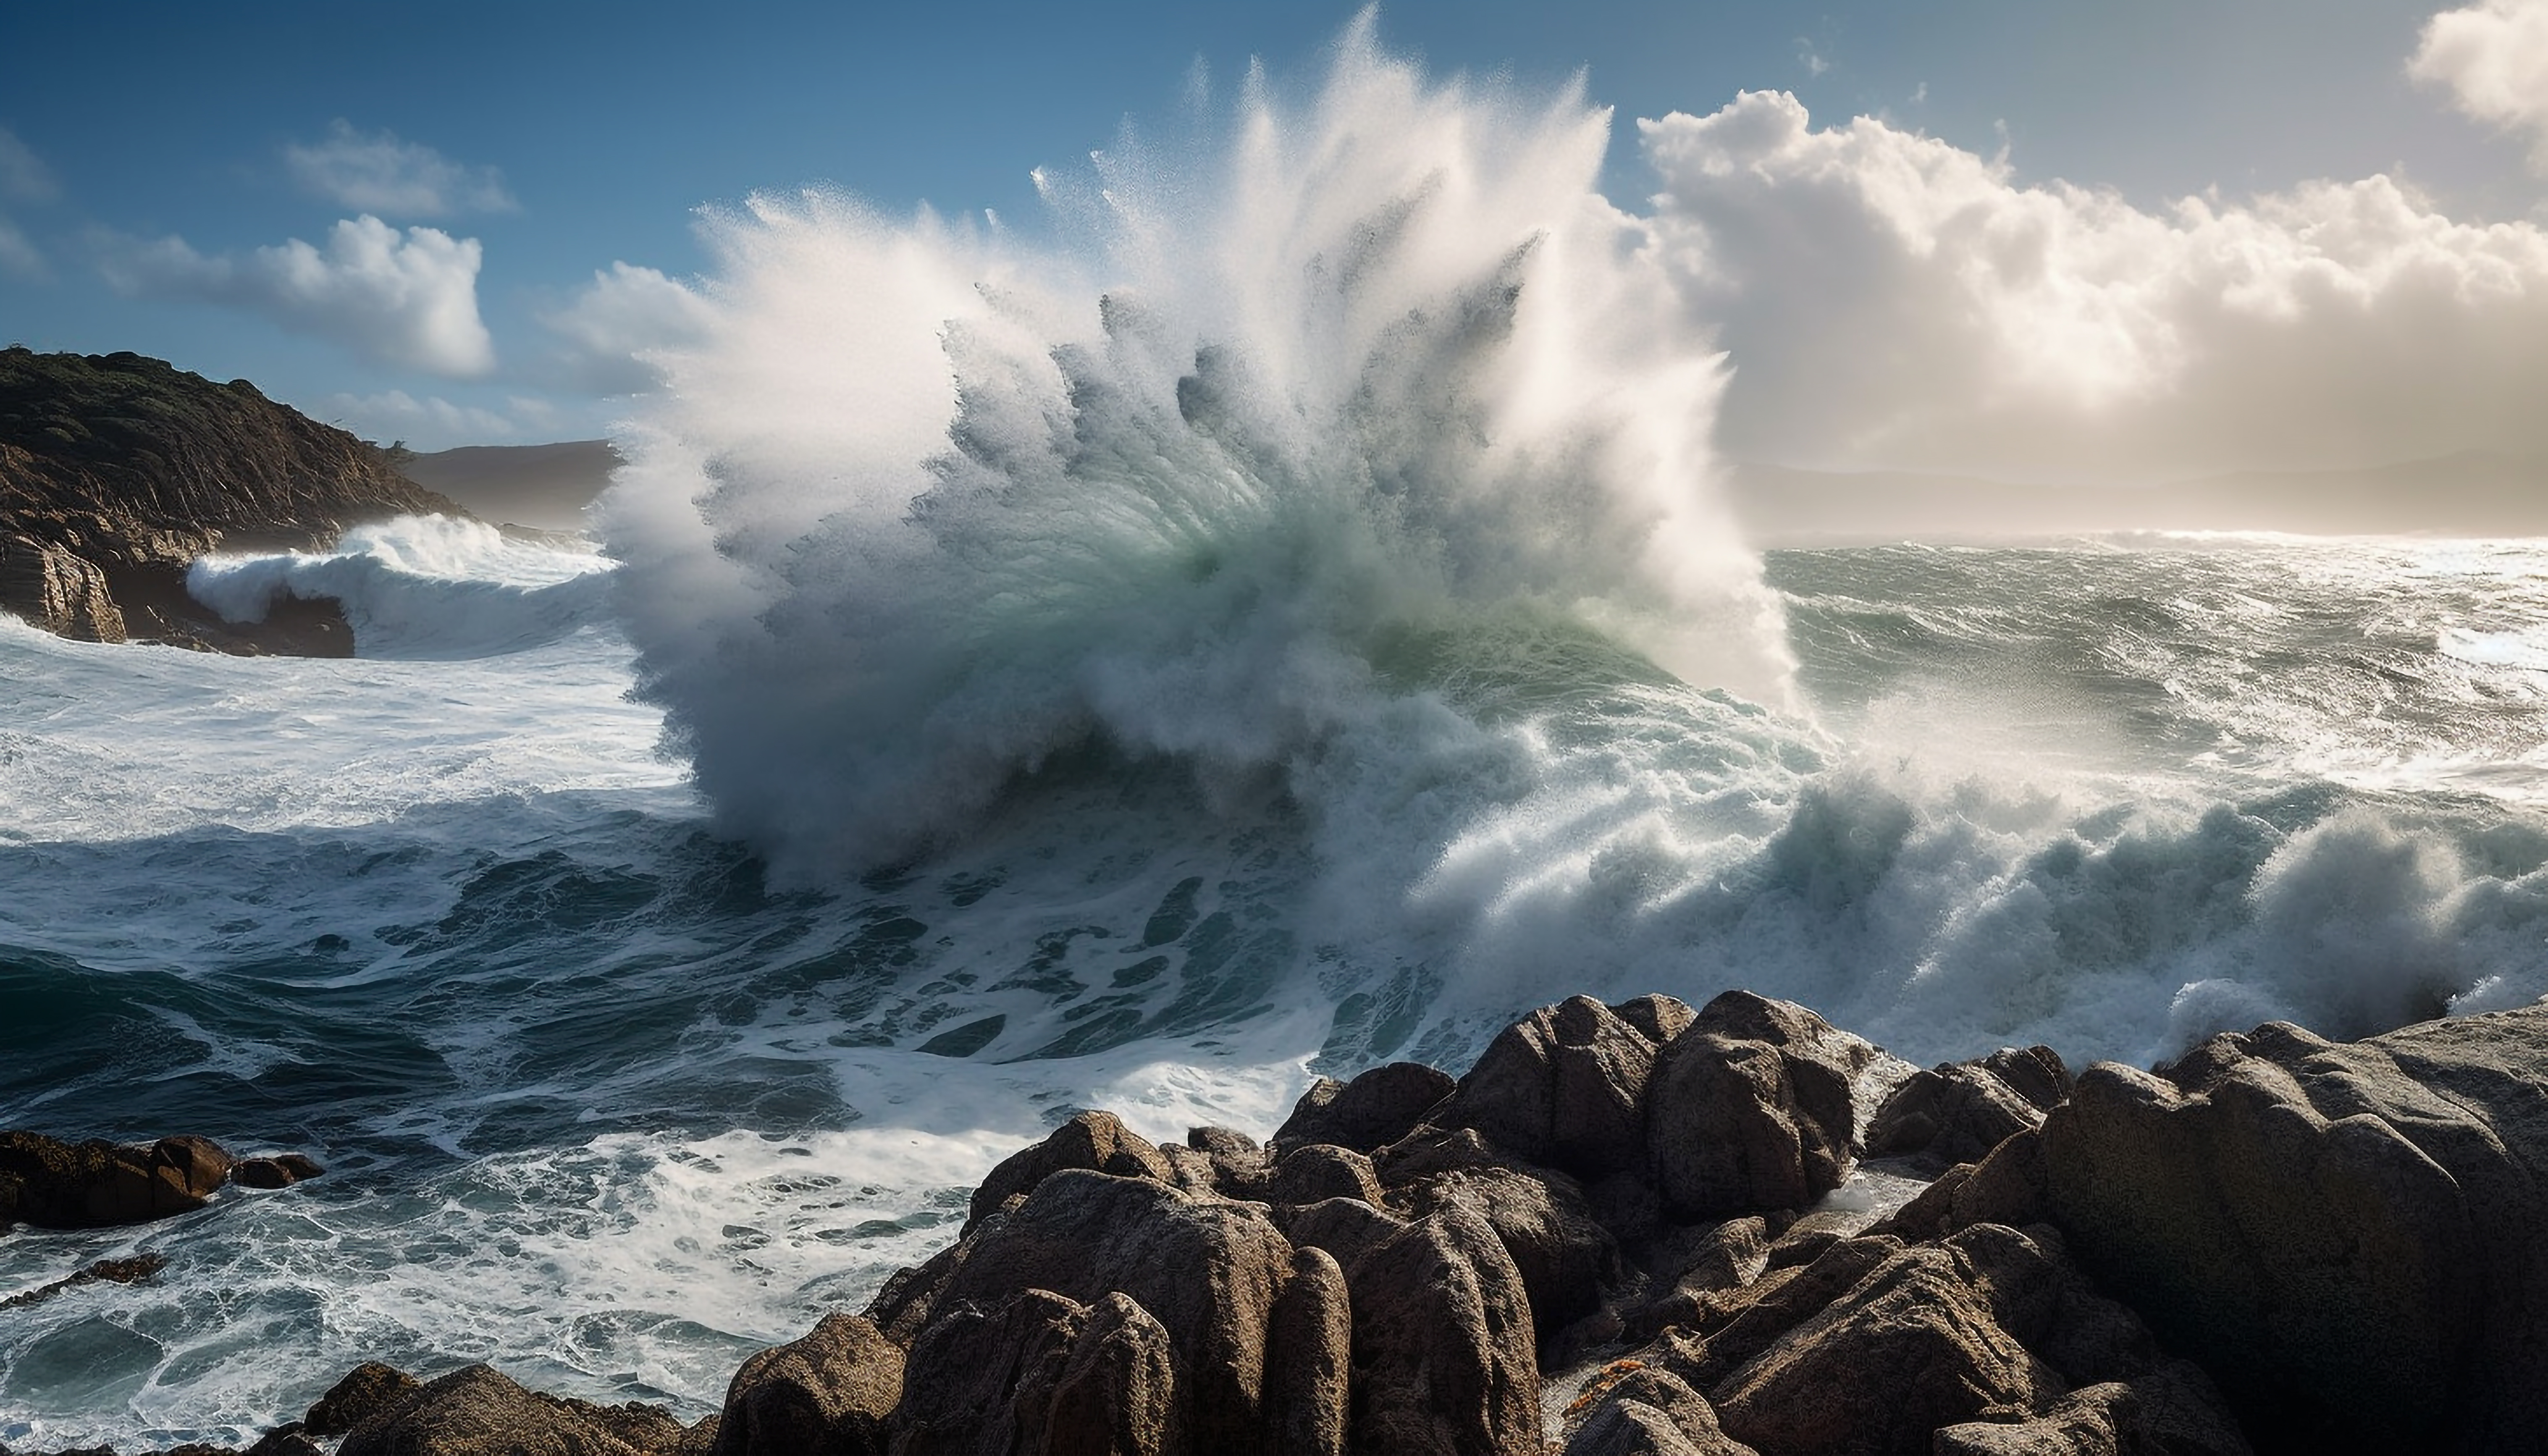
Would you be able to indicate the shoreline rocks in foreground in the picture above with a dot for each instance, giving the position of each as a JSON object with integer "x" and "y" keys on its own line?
{"x": 1615, "y": 1236}
{"x": 117, "y": 472}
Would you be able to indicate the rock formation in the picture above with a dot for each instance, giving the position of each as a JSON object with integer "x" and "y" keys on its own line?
{"x": 117, "y": 472}
{"x": 2275, "y": 1244}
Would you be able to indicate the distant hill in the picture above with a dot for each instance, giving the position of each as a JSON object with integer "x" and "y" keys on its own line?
{"x": 118, "y": 471}
{"x": 542, "y": 485}
{"x": 2468, "y": 494}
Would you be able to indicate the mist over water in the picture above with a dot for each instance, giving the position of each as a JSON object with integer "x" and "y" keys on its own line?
{"x": 1282, "y": 623}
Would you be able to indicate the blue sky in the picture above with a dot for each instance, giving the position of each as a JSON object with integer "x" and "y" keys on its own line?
{"x": 396, "y": 220}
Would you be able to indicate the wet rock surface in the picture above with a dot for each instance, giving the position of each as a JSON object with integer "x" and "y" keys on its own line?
{"x": 2276, "y": 1243}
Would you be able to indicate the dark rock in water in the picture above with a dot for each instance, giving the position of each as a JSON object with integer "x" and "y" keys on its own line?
{"x": 55, "y": 1184}
{"x": 827, "y": 1393}
{"x": 368, "y": 1390}
{"x": 105, "y": 1271}
{"x": 1753, "y": 1107}
{"x": 117, "y": 472}
{"x": 477, "y": 1412}
{"x": 1565, "y": 1088}
{"x": 2349, "y": 1238}
{"x": 280, "y": 1171}
{"x": 1375, "y": 1109}
{"x": 1443, "y": 1362}
{"x": 1095, "y": 1141}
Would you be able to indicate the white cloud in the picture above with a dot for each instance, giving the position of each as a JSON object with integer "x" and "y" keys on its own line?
{"x": 379, "y": 173}
{"x": 407, "y": 298}
{"x": 24, "y": 177}
{"x": 2494, "y": 58}
{"x": 1888, "y": 299}
{"x": 19, "y": 256}
{"x": 429, "y": 422}
{"x": 615, "y": 327}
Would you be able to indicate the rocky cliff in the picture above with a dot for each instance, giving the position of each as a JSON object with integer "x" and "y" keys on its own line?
{"x": 117, "y": 472}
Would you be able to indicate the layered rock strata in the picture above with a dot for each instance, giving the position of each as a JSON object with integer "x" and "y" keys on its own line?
{"x": 117, "y": 472}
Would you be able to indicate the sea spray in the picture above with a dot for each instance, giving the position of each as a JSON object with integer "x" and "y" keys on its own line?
{"x": 935, "y": 505}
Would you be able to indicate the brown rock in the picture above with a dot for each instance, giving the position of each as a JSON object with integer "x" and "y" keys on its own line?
{"x": 1564, "y": 1087}
{"x": 2349, "y": 1238}
{"x": 1753, "y": 1108}
{"x": 2173, "y": 1412}
{"x": 1377, "y": 1108}
{"x": 1442, "y": 1354}
{"x": 1652, "y": 1413}
{"x": 1096, "y": 1140}
{"x": 1567, "y": 1261}
{"x": 826, "y": 1393}
{"x": 1780, "y": 1305}
{"x": 1908, "y": 1349}
{"x": 91, "y": 1185}
{"x": 1309, "y": 1359}
{"x": 1960, "y": 1111}
{"x": 476, "y": 1412}
{"x": 1209, "y": 1271}
{"x": 1309, "y": 1172}
{"x": 280, "y": 1171}
{"x": 366, "y": 1391}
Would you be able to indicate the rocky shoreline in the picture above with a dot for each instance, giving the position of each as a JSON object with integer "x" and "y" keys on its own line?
{"x": 1648, "y": 1228}
{"x": 117, "y": 472}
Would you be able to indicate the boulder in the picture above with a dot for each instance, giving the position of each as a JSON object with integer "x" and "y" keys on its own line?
{"x": 1753, "y": 1107}
{"x": 1443, "y": 1363}
{"x": 1567, "y": 1261}
{"x": 1096, "y": 1140}
{"x": 55, "y": 1184}
{"x": 1652, "y": 1413}
{"x": 826, "y": 1393}
{"x": 278, "y": 1170}
{"x": 1564, "y": 1087}
{"x": 368, "y": 1390}
{"x": 2174, "y": 1412}
{"x": 2351, "y": 1239}
{"x": 477, "y": 1412}
{"x": 1376, "y": 1108}
{"x": 1912, "y": 1347}
{"x": 1209, "y": 1271}
{"x": 1309, "y": 1172}
{"x": 1958, "y": 1112}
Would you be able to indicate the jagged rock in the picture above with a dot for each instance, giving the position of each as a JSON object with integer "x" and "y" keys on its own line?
{"x": 2171, "y": 1413}
{"x": 477, "y": 1412}
{"x": 117, "y": 472}
{"x": 280, "y": 1171}
{"x": 903, "y": 1306}
{"x": 1314, "y": 1171}
{"x": 1779, "y": 1303}
{"x": 1222, "y": 1141}
{"x": 1375, "y": 1109}
{"x": 55, "y": 1184}
{"x": 2349, "y": 1237}
{"x": 1753, "y": 1107}
{"x": 1096, "y": 1140}
{"x": 1652, "y": 1413}
{"x": 1567, "y": 1261}
{"x": 1958, "y": 1112}
{"x": 1308, "y": 1359}
{"x": 826, "y": 1393}
{"x": 1659, "y": 1016}
{"x": 1911, "y": 1347}
{"x": 1442, "y": 1356}
{"x": 1705, "y": 1260}
{"x": 105, "y": 1271}
{"x": 366, "y": 1391}
{"x": 1564, "y": 1087}
{"x": 57, "y": 590}
{"x": 1209, "y": 1271}
{"x": 1345, "y": 1227}
{"x": 1047, "y": 1374}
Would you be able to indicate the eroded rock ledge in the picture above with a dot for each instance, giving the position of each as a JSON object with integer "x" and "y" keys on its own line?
{"x": 118, "y": 471}
{"x": 1617, "y": 1235}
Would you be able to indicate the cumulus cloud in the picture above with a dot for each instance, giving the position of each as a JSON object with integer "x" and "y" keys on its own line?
{"x": 612, "y": 329}
{"x": 381, "y": 174}
{"x": 407, "y": 297}
{"x": 1888, "y": 299}
{"x": 2494, "y": 58}
{"x": 24, "y": 177}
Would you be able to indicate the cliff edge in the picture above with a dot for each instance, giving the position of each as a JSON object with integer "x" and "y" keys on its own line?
{"x": 118, "y": 471}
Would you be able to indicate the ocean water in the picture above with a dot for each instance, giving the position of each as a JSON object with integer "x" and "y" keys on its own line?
{"x": 1278, "y": 624}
